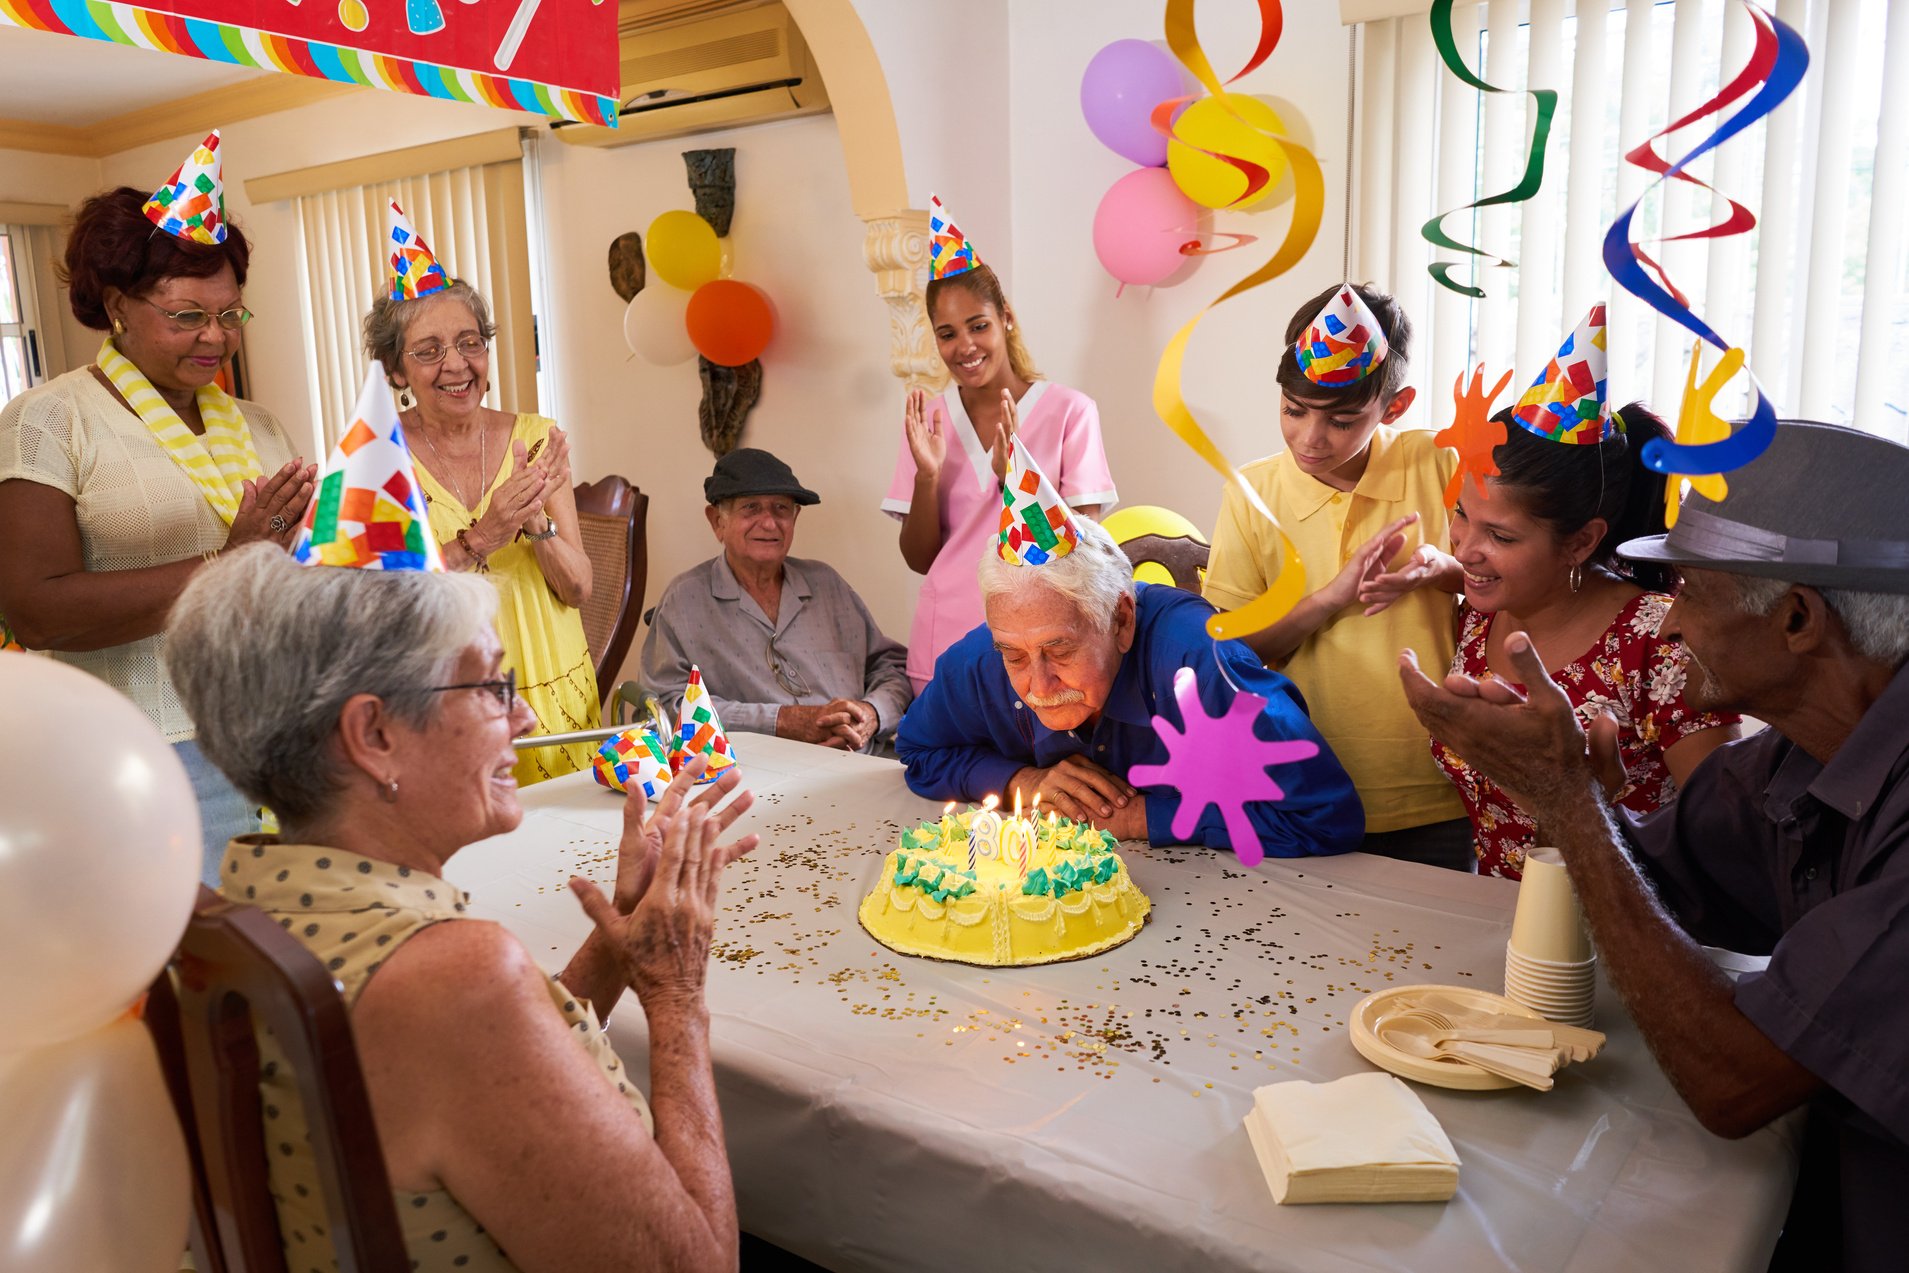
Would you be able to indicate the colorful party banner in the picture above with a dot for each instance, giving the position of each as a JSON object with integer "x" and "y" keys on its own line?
{"x": 552, "y": 57}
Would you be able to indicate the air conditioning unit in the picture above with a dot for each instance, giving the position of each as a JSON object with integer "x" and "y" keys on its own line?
{"x": 741, "y": 64}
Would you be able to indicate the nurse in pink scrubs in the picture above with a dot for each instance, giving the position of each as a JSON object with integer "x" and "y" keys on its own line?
{"x": 947, "y": 487}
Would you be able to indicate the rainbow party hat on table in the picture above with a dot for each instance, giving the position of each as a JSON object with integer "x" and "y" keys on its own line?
{"x": 1344, "y": 344}
{"x": 191, "y": 205}
{"x": 1567, "y": 402}
{"x": 700, "y": 731}
{"x": 414, "y": 271}
{"x": 369, "y": 511}
{"x": 634, "y": 758}
{"x": 1036, "y": 525}
{"x": 949, "y": 252}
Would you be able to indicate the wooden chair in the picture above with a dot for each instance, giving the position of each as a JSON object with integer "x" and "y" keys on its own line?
{"x": 234, "y": 967}
{"x": 1184, "y": 558}
{"x": 610, "y": 515}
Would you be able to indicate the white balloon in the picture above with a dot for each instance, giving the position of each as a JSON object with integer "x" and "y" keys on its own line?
{"x": 93, "y": 1169}
{"x": 99, "y": 852}
{"x": 655, "y": 325}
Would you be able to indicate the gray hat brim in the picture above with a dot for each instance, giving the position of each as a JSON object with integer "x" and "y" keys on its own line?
{"x": 1822, "y": 506}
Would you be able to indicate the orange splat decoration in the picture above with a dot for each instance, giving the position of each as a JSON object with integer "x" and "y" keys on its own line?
{"x": 1472, "y": 431}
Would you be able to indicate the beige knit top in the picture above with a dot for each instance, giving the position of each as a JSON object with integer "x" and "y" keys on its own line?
{"x": 136, "y": 507}
{"x": 352, "y": 912}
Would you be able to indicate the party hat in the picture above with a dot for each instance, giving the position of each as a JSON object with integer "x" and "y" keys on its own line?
{"x": 1344, "y": 344}
{"x": 701, "y": 731}
{"x": 1566, "y": 403}
{"x": 949, "y": 252}
{"x": 414, "y": 271}
{"x": 1036, "y": 525}
{"x": 369, "y": 510}
{"x": 191, "y": 205}
{"x": 634, "y": 758}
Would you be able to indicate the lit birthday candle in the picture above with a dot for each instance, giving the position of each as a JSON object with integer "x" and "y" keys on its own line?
{"x": 947, "y": 823}
{"x": 984, "y": 832}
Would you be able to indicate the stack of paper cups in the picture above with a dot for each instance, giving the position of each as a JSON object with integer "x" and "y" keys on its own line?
{"x": 1549, "y": 964}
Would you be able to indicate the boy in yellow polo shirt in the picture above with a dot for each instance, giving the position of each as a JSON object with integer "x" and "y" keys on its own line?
{"x": 1353, "y": 493}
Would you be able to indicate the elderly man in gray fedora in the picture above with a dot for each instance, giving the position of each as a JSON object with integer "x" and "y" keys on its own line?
{"x": 1794, "y": 609}
{"x": 786, "y": 647}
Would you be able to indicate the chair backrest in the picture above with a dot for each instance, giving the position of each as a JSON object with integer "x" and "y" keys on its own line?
{"x": 1183, "y": 557}
{"x": 610, "y": 516}
{"x": 235, "y": 968}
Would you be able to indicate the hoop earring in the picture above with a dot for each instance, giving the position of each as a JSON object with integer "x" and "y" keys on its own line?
{"x": 388, "y": 791}
{"x": 1575, "y": 578}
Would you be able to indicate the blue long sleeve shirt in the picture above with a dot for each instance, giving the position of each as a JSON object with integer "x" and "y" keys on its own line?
{"x": 969, "y": 732}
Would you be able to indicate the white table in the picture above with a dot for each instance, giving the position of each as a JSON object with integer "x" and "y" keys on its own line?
{"x": 885, "y": 1112}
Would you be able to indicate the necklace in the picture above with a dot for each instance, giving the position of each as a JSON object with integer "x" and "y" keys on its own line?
{"x": 483, "y": 466}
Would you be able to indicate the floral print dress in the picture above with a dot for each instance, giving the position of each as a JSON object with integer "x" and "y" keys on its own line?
{"x": 1630, "y": 670}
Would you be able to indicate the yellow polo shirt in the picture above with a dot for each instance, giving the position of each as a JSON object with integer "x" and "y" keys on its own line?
{"x": 1348, "y": 669}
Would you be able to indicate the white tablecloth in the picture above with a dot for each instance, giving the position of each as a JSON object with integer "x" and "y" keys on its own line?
{"x": 888, "y": 1113}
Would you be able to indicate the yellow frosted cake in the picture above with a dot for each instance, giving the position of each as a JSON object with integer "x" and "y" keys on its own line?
{"x": 1034, "y": 891}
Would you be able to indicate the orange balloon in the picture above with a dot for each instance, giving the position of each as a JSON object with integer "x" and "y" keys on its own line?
{"x": 729, "y": 322}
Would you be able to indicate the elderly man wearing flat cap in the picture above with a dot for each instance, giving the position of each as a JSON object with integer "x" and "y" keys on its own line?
{"x": 1790, "y": 843}
{"x": 785, "y": 645}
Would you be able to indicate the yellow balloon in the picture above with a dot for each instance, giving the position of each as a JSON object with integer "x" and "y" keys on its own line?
{"x": 683, "y": 250}
{"x": 1210, "y": 126}
{"x": 1138, "y": 520}
{"x": 1135, "y": 520}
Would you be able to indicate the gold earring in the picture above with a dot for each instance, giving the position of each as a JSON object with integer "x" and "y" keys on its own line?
{"x": 119, "y": 328}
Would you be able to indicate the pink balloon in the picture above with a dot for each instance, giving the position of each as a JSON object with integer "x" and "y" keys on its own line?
{"x": 1141, "y": 223}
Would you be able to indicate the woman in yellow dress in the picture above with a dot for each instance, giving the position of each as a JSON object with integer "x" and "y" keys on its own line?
{"x": 498, "y": 486}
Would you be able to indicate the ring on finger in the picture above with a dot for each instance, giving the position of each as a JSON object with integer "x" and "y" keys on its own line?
{"x": 279, "y": 525}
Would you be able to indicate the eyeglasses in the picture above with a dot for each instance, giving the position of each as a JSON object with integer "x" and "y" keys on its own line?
{"x": 786, "y": 675}
{"x": 504, "y": 691}
{"x": 191, "y": 320}
{"x": 468, "y": 346}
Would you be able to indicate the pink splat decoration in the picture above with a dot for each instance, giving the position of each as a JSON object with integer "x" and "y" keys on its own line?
{"x": 1218, "y": 760}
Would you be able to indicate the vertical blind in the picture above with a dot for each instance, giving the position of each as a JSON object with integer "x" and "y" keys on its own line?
{"x": 473, "y": 218}
{"x": 1817, "y": 295}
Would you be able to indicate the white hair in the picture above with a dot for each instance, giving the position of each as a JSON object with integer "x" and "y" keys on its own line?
{"x": 1094, "y": 576}
{"x": 1877, "y": 622}
{"x": 265, "y": 652}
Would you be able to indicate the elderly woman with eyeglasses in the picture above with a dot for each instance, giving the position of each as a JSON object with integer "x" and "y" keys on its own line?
{"x": 119, "y": 480}
{"x": 512, "y": 1134}
{"x": 501, "y": 505}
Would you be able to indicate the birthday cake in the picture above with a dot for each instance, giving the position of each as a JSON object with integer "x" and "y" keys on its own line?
{"x": 1023, "y": 891}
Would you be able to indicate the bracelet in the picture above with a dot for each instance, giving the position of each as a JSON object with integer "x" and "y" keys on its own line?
{"x": 548, "y": 532}
{"x": 479, "y": 561}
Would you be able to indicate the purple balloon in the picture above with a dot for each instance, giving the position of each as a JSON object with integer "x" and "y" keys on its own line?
{"x": 1141, "y": 223}
{"x": 1122, "y": 85}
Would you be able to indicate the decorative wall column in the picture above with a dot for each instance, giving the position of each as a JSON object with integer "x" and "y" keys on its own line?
{"x": 896, "y": 249}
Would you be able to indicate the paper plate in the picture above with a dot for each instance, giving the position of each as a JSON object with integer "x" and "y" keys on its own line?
{"x": 1458, "y": 1074}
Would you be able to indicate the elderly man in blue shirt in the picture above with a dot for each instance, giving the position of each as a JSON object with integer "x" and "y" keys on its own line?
{"x": 1057, "y": 692}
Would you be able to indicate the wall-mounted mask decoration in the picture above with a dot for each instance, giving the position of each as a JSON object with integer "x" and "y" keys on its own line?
{"x": 627, "y": 271}
{"x": 712, "y": 179}
{"x": 728, "y": 395}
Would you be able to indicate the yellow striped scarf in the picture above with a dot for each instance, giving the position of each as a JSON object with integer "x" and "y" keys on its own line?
{"x": 220, "y": 461}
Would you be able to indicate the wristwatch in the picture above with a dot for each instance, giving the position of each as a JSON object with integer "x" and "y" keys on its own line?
{"x": 548, "y": 532}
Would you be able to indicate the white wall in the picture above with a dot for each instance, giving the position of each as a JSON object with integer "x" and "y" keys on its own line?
{"x": 1000, "y": 136}
{"x": 830, "y": 405}
{"x": 1079, "y": 332}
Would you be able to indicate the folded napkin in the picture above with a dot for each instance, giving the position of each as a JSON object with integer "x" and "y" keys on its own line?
{"x": 1364, "y": 1138}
